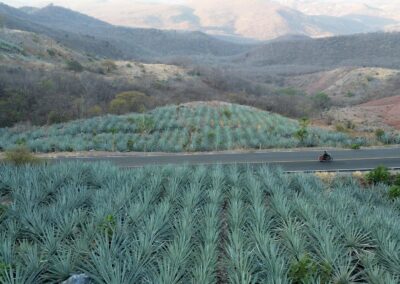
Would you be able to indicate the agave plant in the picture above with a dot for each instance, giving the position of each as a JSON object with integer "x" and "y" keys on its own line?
{"x": 232, "y": 224}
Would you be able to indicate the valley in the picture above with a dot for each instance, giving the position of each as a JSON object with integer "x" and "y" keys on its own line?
{"x": 200, "y": 142}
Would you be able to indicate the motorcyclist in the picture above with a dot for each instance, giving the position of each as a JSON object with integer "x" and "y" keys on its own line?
{"x": 326, "y": 155}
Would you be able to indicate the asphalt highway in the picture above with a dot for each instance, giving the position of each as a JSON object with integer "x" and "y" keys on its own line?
{"x": 291, "y": 161}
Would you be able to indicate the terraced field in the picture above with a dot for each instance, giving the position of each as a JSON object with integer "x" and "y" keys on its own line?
{"x": 191, "y": 127}
{"x": 194, "y": 225}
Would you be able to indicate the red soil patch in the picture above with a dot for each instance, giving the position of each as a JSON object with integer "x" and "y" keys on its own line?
{"x": 387, "y": 108}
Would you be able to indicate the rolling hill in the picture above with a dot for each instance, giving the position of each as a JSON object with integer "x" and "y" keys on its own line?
{"x": 177, "y": 128}
{"x": 370, "y": 116}
{"x": 372, "y": 50}
{"x": 88, "y": 34}
{"x": 349, "y": 85}
{"x": 257, "y": 19}
{"x": 40, "y": 77}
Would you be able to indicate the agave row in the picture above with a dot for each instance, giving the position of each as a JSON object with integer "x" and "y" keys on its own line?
{"x": 222, "y": 224}
{"x": 175, "y": 129}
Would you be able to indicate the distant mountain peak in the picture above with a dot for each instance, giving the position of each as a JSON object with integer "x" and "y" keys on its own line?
{"x": 256, "y": 19}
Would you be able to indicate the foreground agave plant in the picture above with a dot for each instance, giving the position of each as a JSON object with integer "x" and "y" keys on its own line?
{"x": 222, "y": 224}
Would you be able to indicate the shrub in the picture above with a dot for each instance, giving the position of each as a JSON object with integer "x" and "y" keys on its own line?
{"x": 20, "y": 156}
{"x": 146, "y": 124}
{"x": 75, "y": 66}
{"x": 110, "y": 66}
{"x": 51, "y": 52}
{"x": 108, "y": 225}
{"x": 131, "y": 101}
{"x": 350, "y": 124}
{"x": 394, "y": 192}
{"x": 302, "y": 133}
{"x": 379, "y": 133}
{"x": 380, "y": 174}
{"x": 397, "y": 180}
{"x": 340, "y": 128}
{"x": 322, "y": 101}
{"x": 226, "y": 112}
{"x": 55, "y": 117}
{"x": 20, "y": 141}
{"x": 211, "y": 135}
{"x": 129, "y": 145}
{"x": 355, "y": 146}
{"x": 303, "y": 270}
{"x": 95, "y": 110}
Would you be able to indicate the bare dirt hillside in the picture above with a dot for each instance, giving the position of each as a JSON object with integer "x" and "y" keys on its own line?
{"x": 383, "y": 113}
{"x": 349, "y": 85}
{"x": 387, "y": 108}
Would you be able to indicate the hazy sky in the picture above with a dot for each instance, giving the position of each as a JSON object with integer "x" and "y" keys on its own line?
{"x": 75, "y": 3}
{"x": 86, "y": 3}
{"x": 87, "y": 6}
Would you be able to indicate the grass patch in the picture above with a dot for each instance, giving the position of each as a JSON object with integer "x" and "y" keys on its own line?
{"x": 20, "y": 156}
{"x": 394, "y": 192}
{"x": 380, "y": 174}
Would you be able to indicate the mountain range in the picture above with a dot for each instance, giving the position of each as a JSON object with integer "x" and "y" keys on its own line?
{"x": 256, "y": 19}
{"x": 90, "y": 35}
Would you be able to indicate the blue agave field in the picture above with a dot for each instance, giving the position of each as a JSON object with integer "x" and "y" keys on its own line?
{"x": 175, "y": 129}
{"x": 193, "y": 225}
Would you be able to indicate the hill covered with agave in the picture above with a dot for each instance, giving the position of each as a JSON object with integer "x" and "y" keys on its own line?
{"x": 190, "y": 127}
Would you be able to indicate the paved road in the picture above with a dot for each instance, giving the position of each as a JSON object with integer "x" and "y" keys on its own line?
{"x": 344, "y": 160}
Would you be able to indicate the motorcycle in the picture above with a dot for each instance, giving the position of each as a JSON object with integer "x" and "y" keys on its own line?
{"x": 325, "y": 158}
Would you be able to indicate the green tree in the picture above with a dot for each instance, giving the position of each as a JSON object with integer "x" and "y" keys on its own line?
{"x": 129, "y": 102}
{"x": 95, "y": 110}
{"x": 79, "y": 106}
{"x": 55, "y": 117}
{"x": 302, "y": 133}
{"x": 146, "y": 124}
{"x": 322, "y": 101}
{"x": 110, "y": 66}
{"x": 15, "y": 106}
{"x": 75, "y": 66}
{"x": 48, "y": 85}
{"x": 379, "y": 133}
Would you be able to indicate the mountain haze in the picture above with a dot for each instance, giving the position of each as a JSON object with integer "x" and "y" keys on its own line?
{"x": 257, "y": 19}
{"x": 356, "y": 50}
{"x": 90, "y": 35}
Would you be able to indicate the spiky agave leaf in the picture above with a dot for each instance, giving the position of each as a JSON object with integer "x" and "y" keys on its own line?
{"x": 272, "y": 266}
{"x": 206, "y": 259}
{"x": 293, "y": 239}
{"x": 378, "y": 275}
{"x": 61, "y": 266}
{"x": 18, "y": 275}
{"x": 111, "y": 262}
{"x": 240, "y": 260}
{"x": 356, "y": 240}
{"x": 345, "y": 273}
